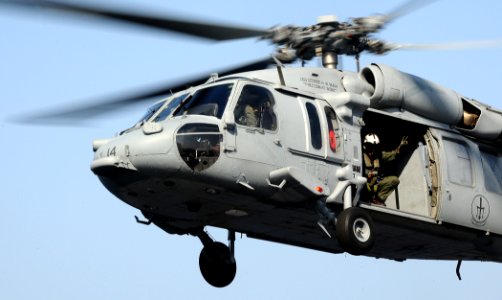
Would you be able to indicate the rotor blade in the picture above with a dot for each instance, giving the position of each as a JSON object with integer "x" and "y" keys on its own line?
{"x": 374, "y": 23}
{"x": 482, "y": 44}
{"x": 213, "y": 31}
{"x": 76, "y": 113}
{"x": 407, "y": 8}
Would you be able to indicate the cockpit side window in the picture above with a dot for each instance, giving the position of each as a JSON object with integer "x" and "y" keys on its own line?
{"x": 255, "y": 108}
{"x": 210, "y": 101}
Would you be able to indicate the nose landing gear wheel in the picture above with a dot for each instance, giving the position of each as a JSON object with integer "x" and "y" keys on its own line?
{"x": 217, "y": 264}
{"x": 354, "y": 231}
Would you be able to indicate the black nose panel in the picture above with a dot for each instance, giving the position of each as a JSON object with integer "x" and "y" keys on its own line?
{"x": 199, "y": 145}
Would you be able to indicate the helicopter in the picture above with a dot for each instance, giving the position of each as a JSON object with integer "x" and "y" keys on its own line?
{"x": 295, "y": 174}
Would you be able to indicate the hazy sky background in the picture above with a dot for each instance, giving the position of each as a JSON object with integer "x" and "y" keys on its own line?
{"x": 63, "y": 236}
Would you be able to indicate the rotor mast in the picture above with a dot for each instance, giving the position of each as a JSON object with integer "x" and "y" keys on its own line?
{"x": 329, "y": 56}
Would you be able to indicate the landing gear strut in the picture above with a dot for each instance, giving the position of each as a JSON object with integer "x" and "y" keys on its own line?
{"x": 216, "y": 260}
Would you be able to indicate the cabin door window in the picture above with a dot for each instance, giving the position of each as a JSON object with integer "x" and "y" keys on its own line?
{"x": 315, "y": 126}
{"x": 334, "y": 134}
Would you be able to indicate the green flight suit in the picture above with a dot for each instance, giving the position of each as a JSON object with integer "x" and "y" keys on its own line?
{"x": 381, "y": 186}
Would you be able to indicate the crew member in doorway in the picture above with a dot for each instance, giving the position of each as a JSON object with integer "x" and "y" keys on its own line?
{"x": 379, "y": 185}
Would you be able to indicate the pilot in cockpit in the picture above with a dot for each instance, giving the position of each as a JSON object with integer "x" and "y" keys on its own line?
{"x": 254, "y": 109}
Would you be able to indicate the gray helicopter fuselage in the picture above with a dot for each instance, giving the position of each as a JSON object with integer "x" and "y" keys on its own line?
{"x": 202, "y": 159}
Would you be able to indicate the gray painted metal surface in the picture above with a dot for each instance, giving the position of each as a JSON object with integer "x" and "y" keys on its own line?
{"x": 194, "y": 168}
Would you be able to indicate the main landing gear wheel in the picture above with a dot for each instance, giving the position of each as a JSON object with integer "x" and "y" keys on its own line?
{"x": 217, "y": 264}
{"x": 354, "y": 231}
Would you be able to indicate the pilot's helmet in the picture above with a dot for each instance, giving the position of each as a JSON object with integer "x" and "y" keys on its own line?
{"x": 371, "y": 140}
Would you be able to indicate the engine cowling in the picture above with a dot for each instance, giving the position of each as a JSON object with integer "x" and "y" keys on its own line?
{"x": 392, "y": 88}
{"x": 396, "y": 89}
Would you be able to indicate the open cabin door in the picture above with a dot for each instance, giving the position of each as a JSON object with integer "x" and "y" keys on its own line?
{"x": 417, "y": 192}
{"x": 415, "y": 165}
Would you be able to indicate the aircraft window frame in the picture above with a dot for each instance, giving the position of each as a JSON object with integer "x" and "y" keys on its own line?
{"x": 258, "y": 113}
{"x": 458, "y": 160}
{"x": 170, "y": 106}
{"x": 334, "y": 130}
{"x": 192, "y": 105}
{"x": 491, "y": 163}
{"x": 151, "y": 111}
{"x": 314, "y": 125}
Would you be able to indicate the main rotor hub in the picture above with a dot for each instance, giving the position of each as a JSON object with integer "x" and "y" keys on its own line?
{"x": 328, "y": 19}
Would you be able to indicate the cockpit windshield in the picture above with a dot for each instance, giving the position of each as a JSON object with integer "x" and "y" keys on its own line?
{"x": 172, "y": 104}
{"x": 151, "y": 111}
{"x": 209, "y": 101}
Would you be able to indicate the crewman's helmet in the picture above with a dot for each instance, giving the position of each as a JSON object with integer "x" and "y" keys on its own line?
{"x": 371, "y": 138}
{"x": 371, "y": 141}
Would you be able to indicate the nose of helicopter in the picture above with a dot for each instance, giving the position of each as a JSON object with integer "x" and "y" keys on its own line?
{"x": 133, "y": 159}
{"x": 134, "y": 152}
{"x": 109, "y": 159}
{"x": 189, "y": 146}
{"x": 134, "y": 166}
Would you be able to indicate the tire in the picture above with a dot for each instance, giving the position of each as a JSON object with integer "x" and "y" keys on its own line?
{"x": 217, "y": 265}
{"x": 354, "y": 231}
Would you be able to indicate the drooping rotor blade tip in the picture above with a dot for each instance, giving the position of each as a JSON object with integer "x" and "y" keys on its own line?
{"x": 407, "y": 8}
{"x": 207, "y": 30}
{"x": 77, "y": 115}
{"x": 481, "y": 44}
